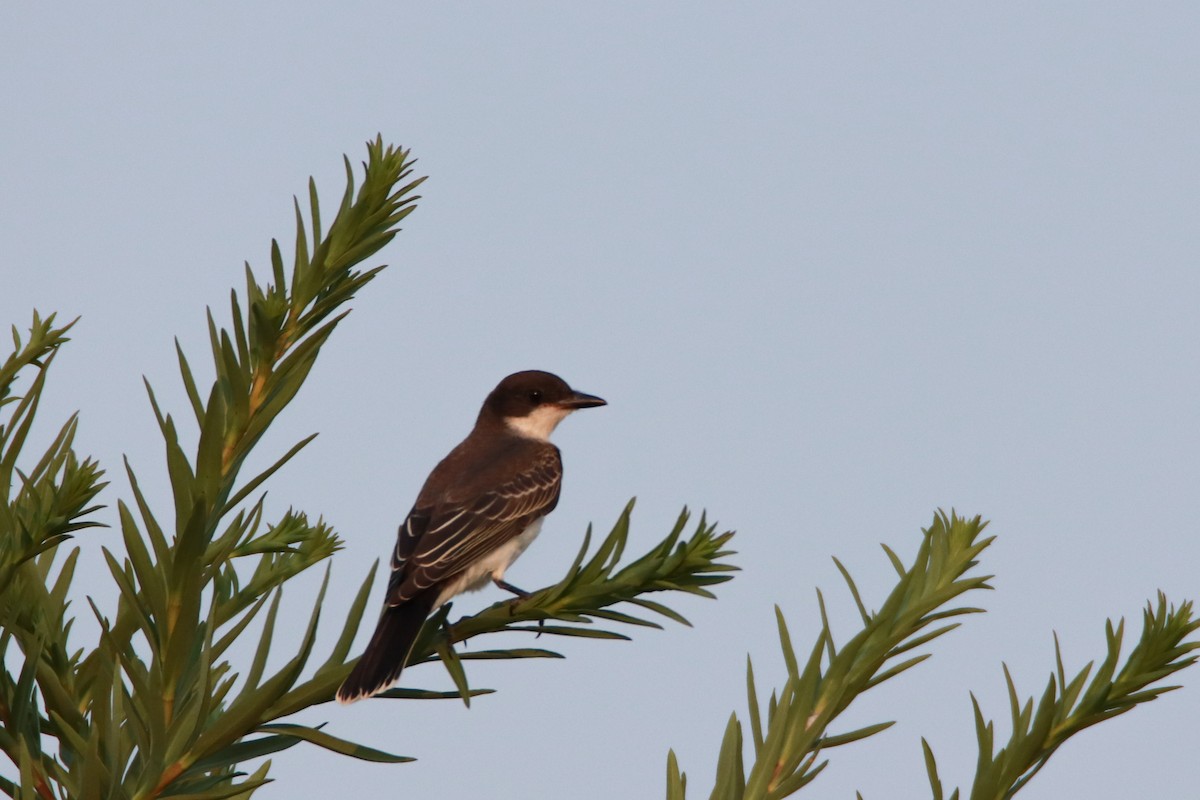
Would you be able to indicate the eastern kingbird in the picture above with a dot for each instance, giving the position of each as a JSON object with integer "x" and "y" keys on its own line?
{"x": 478, "y": 510}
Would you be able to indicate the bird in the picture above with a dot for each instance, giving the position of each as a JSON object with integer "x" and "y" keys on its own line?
{"x": 479, "y": 509}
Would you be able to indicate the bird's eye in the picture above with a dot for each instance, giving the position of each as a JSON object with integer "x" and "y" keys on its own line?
{"x": 535, "y": 396}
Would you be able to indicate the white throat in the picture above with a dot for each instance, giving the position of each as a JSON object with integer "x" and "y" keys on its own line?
{"x": 539, "y": 424}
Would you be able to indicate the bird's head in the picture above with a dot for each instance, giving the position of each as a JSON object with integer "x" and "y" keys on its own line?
{"x": 532, "y": 403}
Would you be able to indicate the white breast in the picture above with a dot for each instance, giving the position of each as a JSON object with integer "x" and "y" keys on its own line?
{"x": 491, "y": 566}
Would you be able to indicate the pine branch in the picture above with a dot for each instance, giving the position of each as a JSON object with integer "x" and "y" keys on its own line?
{"x": 593, "y": 584}
{"x": 52, "y": 500}
{"x": 53, "y": 496}
{"x": 1067, "y": 708}
{"x": 155, "y": 699}
{"x": 787, "y": 749}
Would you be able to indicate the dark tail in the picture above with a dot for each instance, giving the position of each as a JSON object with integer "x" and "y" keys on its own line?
{"x": 388, "y": 652}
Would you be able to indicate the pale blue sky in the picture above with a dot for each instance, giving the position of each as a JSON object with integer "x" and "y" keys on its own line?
{"x": 833, "y": 268}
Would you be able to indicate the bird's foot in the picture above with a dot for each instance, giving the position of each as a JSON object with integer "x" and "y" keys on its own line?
{"x": 521, "y": 594}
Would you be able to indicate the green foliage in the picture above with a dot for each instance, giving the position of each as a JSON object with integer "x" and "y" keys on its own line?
{"x": 587, "y": 593}
{"x": 1067, "y": 707}
{"x": 798, "y": 716}
{"x": 51, "y": 499}
{"x": 158, "y": 708}
{"x": 40, "y": 508}
{"x": 588, "y": 589}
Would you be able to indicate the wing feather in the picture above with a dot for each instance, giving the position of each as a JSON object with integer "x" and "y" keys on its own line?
{"x": 437, "y": 543}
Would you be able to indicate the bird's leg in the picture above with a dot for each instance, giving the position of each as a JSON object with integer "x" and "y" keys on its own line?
{"x": 508, "y": 587}
{"x": 521, "y": 595}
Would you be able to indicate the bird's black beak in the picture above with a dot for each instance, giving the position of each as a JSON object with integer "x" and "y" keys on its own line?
{"x": 581, "y": 400}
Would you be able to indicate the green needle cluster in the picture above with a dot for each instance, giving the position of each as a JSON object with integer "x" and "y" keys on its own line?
{"x": 789, "y": 742}
{"x": 789, "y": 745}
{"x": 1067, "y": 707}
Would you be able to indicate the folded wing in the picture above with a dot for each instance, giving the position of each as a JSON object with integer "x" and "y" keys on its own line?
{"x": 435, "y": 544}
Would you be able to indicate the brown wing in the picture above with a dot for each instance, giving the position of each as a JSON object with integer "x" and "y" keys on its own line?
{"x": 437, "y": 543}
